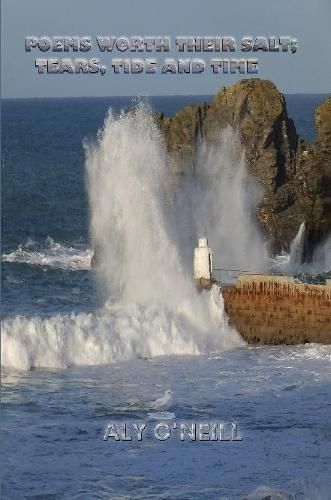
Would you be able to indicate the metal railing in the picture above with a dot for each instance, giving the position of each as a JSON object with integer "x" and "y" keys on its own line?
{"x": 225, "y": 275}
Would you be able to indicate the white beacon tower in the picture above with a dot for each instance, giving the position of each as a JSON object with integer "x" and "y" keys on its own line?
{"x": 203, "y": 261}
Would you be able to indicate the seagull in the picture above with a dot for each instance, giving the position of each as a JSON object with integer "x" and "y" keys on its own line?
{"x": 163, "y": 403}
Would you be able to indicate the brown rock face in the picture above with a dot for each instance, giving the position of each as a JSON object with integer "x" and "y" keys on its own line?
{"x": 313, "y": 179}
{"x": 296, "y": 179}
{"x": 183, "y": 133}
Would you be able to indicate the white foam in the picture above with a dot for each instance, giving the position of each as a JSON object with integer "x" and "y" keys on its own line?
{"x": 264, "y": 492}
{"x": 116, "y": 333}
{"x": 314, "y": 351}
{"x": 51, "y": 254}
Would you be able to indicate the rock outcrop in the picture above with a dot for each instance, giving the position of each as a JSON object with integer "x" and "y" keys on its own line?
{"x": 313, "y": 179}
{"x": 296, "y": 178}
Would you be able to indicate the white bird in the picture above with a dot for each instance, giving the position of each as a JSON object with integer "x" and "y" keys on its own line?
{"x": 165, "y": 402}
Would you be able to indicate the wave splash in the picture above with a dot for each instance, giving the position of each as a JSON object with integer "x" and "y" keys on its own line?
{"x": 145, "y": 264}
{"x": 292, "y": 263}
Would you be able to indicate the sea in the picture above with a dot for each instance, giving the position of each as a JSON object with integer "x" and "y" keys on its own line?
{"x": 86, "y": 353}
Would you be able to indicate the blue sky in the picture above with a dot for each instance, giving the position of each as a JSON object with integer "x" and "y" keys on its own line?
{"x": 309, "y": 70}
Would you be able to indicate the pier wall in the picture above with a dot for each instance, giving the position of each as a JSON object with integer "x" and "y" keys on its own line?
{"x": 277, "y": 310}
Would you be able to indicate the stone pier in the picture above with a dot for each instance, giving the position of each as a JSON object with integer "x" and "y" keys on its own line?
{"x": 277, "y": 310}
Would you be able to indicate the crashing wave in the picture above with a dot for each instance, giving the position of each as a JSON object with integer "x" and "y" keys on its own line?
{"x": 52, "y": 255}
{"x": 116, "y": 333}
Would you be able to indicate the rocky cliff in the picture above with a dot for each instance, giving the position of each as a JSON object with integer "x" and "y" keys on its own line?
{"x": 296, "y": 178}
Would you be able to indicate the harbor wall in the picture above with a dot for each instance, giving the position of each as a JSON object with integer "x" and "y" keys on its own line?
{"x": 277, "y": 310}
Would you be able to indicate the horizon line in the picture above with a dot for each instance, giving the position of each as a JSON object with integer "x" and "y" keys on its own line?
{"x": 142, "y": 96}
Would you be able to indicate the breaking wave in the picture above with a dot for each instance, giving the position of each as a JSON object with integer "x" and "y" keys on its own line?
{"x": 116, "y": 332}
{"x": 52, "y": 255}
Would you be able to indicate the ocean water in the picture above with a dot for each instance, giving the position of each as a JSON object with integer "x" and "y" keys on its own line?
{"x": 83, "y": 349}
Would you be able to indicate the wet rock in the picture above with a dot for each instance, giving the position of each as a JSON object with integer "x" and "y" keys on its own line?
{"x": 295, "y": 177}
